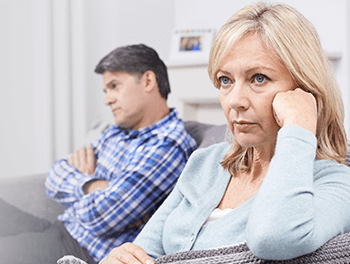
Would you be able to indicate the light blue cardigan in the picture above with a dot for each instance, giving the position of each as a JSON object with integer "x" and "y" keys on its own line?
{"x": 301, "y": 204}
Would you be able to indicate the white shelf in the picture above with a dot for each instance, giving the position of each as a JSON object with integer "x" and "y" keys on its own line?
{"x": 335, "y": 55}
{"x": 185, "y": 64}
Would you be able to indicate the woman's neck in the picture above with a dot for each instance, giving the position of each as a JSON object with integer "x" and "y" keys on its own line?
{"x": 262, "y": 156}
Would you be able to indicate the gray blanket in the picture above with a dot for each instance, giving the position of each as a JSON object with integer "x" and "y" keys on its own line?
{"x": 336, "y": 250}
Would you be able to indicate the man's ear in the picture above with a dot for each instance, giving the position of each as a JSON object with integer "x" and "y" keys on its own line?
{"x": 149, "y": 81}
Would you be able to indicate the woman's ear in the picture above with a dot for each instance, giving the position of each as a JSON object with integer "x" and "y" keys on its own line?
{"x": 149, "y": 81}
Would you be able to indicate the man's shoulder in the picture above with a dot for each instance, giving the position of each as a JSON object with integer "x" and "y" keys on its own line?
{"x": 175, "y": 131}
{"x": 175, "y": 125}
{"x": 171, "y": 127}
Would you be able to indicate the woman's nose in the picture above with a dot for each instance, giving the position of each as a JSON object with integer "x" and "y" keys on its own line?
{"x": 238, "y": 97}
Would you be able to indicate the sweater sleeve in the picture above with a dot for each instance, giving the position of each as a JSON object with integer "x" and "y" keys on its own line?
{"x": 302, "y": 203}
{"x": 151, "y": 237}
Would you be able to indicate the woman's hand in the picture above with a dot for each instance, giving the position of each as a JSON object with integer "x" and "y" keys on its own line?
{"x": 296, "y": 107}
{"x": 127, "y": 253}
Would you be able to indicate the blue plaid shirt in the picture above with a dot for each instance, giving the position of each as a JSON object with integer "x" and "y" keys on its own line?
{"x": 142, "y": 167}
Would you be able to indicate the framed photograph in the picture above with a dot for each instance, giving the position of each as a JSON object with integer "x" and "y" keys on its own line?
{"x": 191, "y": 46}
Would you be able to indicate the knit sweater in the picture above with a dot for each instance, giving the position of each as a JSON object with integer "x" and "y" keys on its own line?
{"x": 301, "y": 204}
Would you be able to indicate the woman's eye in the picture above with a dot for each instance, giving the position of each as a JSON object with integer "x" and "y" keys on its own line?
{"x": 260, "y": 78}
{"x": 224, "y": 80}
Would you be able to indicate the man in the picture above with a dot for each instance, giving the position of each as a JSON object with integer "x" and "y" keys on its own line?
{"x": 111, "y": 188}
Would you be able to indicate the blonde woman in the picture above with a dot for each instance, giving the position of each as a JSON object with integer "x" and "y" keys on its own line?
{"x": 281, "y": 185}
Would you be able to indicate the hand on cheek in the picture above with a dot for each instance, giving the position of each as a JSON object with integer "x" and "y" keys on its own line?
{"x": 295, "y": 107}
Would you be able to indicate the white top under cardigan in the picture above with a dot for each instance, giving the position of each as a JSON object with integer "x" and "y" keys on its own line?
{"x": 216, "y": 215}
{"x": 301, "y": 204}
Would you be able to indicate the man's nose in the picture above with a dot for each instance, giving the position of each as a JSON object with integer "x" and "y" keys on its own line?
{"x": 109, "y": 99}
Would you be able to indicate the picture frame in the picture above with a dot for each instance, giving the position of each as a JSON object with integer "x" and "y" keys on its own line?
{"x": 191, "y": 46}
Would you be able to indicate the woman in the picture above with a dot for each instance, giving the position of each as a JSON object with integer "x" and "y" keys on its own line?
{"x": 281, "y": 186}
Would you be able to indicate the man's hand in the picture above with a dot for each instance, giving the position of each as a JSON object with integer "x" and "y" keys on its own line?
{"x": 84, "y": 160}
{"x": 127, "y": 253}
{"x": 296, "y": 107}
{"x": 95, "y": 185}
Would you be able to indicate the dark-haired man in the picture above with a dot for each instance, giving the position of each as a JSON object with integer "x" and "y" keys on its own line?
{"x": 112, "y": 187}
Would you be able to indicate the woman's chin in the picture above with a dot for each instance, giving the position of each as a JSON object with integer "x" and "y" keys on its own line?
{"x": 247, "y": 142}
{"x": 250, "y": 142}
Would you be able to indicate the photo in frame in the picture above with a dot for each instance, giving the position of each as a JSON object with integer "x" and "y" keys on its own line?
{"x": 191, "y": 46}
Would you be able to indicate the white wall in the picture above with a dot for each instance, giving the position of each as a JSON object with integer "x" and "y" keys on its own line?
{"x": 17, "y": 139}
{"x": 49, "y": 93}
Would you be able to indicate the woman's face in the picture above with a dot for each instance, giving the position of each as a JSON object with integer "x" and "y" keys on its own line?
{"x": 250, "y": 75}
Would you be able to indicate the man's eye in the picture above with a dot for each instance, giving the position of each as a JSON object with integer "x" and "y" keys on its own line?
{"x": 224, "y": 80}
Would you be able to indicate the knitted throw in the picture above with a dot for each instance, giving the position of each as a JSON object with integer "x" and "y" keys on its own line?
{"x": 336, "y": 250}
{"x": 70, "y": 260}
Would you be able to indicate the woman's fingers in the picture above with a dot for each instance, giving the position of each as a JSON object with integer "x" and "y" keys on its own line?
{"x": 296, "y": 107}
{"x": 128, "y": 253}
{"x": 139, "y": 253}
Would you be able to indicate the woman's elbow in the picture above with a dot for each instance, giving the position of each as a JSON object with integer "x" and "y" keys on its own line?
{"x": 273, "y": 245}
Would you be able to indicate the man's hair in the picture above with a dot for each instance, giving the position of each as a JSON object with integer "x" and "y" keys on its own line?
{"x": 297, "y": 44}
{"x": 136, "y": 59}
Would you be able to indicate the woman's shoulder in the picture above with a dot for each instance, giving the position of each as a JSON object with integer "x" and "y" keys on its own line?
{"x": 216, "y": 150}
{"x": 205, "y": 163}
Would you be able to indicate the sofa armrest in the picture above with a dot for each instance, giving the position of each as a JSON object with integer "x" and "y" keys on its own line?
{"x": 28, "y": 194}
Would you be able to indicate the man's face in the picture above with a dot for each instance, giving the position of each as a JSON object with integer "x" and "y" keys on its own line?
{"x": 125, "y": 95}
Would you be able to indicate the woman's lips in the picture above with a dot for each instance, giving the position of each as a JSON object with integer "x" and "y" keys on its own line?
{"x": 243, "y": 125}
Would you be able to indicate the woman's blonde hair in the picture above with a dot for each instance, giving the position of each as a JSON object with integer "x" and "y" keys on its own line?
{"x": 297, "y": 44}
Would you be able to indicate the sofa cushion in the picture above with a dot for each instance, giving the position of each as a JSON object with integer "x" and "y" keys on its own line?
{"x": 206, "y": 134}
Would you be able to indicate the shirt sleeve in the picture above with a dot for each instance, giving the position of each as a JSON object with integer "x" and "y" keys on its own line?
{"x": 64, "y": 182}
{"x": 302, "y": 203}
{"x": 144, "y": 183}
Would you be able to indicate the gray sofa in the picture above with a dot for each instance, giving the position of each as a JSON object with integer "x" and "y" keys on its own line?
{"x": 27, "y": 193}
